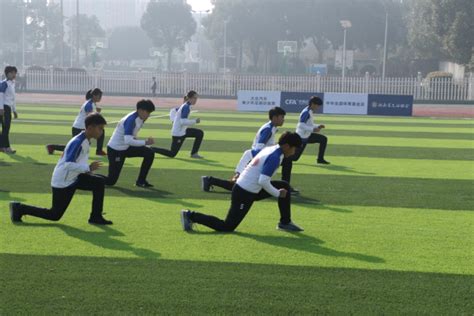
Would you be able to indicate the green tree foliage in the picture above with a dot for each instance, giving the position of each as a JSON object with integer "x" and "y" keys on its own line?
{"x": 169, "y": 24}
{"x": 255, "y": 27}
{"x": 442, "y": 29}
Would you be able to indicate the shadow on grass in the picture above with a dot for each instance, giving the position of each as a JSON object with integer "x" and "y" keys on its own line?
{"x": 103, "y": 238}
{"x": 154, "y": 194}
{"x": 6, "y": 196}
{"x": 4, "y": 164}
{"x": 306, "y": 243}
{"x": 301, "y": 242}
{"x": 338, "y": 168}
{"x": 317, "y": 204}
{"x": 204, "y": 162}
{"x": 26, "y": 159}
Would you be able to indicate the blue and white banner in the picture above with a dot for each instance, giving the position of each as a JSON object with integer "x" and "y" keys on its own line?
{"x": 394, "y": 105}
{"x": 295, "y": 102}
{"x": 333, "y": 103}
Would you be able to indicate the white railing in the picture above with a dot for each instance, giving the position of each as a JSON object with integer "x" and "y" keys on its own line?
{"x": 227, "y": 85}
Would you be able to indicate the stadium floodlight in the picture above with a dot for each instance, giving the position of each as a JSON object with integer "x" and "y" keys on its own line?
{"x": 346, "y": 24}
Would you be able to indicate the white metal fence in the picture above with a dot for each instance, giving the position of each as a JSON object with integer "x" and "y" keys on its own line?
{"x": 220, "y": 85}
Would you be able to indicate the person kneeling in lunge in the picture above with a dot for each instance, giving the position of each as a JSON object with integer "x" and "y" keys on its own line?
{"x": 254, "y": 184}
{"x": 124, "y": 144}
{"x": 182, "y": 129}
{"x": 71, "y": 173}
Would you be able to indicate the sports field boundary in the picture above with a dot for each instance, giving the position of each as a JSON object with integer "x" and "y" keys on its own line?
{"x": 419, "y": 110}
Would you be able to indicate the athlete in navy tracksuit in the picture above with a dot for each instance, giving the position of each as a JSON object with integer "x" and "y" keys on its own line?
{"x": 90, "y": 106}
{"x": 7, "y": 107}
{"x": 182, "y": 129}
{"x": 124, "y": 143}
{"x": 254, "y": 184}
{"x": 309, "y": 133}
{"x": 265, "y": 137}
{"x": 73, "y": 172}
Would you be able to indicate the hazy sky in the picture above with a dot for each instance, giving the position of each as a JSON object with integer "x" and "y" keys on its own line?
{"x": 200, "y": 5}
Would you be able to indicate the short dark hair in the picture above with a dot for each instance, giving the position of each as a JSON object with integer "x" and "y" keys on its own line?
{"x": 9, "y": 69}
{"x": 290, "y": 138}
{"x": 146, "y": 105}
{"x": 93, "y": 92}
{"x": 276, "y": 111}
{"x": 95, "y": 119}
{"x": 315, "y": 100}
{"x": 190, "y": 94}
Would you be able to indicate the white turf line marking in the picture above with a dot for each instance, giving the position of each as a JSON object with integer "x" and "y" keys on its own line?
{"x": 114, "y": 122}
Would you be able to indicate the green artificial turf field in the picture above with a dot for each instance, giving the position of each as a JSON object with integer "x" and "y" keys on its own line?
{"x": 388, "y": 225}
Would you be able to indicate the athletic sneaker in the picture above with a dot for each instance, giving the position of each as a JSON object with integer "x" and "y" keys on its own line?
{"x": 10, "y": 150}
{"x": 323, "y": 162}
{"x": 196, "y": 156}
{"x": 50, "y": 149}
{"x": 15, "y": 214}
{"x": 144, "y": 184}
{"x": 290, "y": 227}
{"x": 101, "y": 153}
{"x": 99, "y": 221}
{"x": 186, "y": 220}
{"x": 205, "y": 183}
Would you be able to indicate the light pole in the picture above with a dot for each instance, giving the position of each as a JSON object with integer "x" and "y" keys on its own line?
{"x": 62, "y": 33}
{"x": 23, "y": 24}
{"x": 78, "y": 43}
{"x": 345, "y": 25}
{"x": 199, "y": 34}
{"x": 225, "y": 45}
{"x": 385, "y": 45}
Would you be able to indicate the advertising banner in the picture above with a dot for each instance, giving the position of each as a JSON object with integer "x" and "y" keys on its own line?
{"x": 393, "y": 105}
{"x": 257, "y": 101}
{"x": 345, "y": 103}
{"x": 295, "y": 102}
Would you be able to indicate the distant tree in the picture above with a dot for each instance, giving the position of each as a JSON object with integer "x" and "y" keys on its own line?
{"x": 128, "y": 42}
{"x": 169, "y": 24}
{"x": 236, "y": 15}
{"x": 442, "y": 29}
{"x": 43, "y": 27}
{"x": 255, "y": 27}
{"x": 458, "y": 35}
{"x": 89, "y": 28}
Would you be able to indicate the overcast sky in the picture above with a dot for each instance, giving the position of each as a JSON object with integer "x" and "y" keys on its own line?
{"x": 200, "y": 5}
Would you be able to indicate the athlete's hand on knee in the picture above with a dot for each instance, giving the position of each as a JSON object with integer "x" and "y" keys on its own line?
{"x": 235, "y": 177}
{"x": 316, "y": 130}
{"x": 150, "y": 141}
{"x": 95, "y": 165}
{"x": 283, "y": 193}
{"x": 15, "y": 115}
{"x": 98, "y": 110}
{"x": 322, "y": 126}
{"x": 198, "y": 120}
